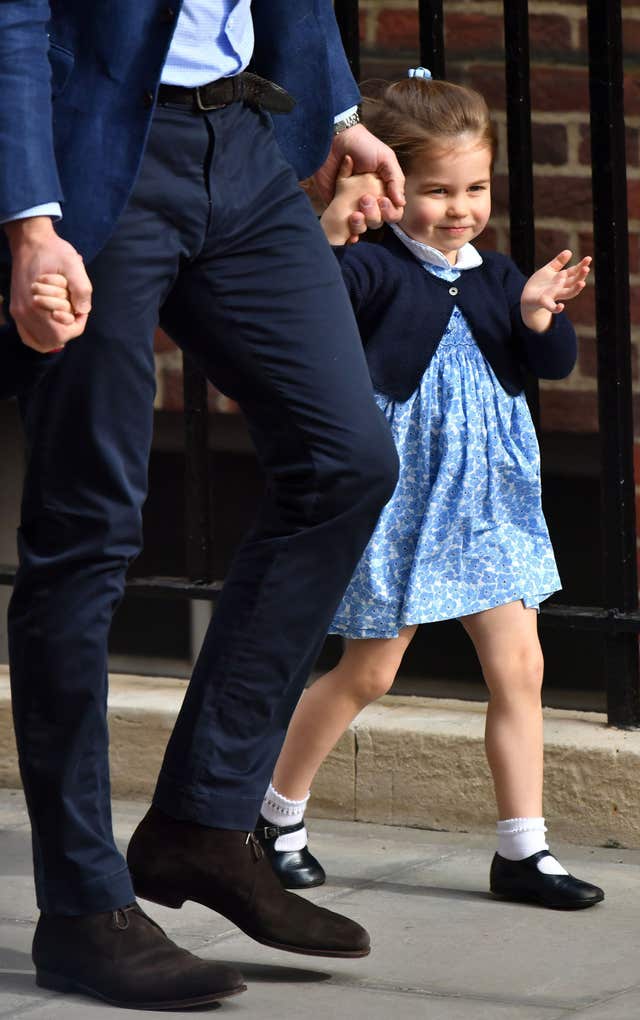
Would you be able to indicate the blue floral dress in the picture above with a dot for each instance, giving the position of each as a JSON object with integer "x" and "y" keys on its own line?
{"x": 464, "y": 530}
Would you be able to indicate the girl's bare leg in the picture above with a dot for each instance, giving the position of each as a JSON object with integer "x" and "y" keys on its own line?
{"x": 506, "y": 641}
{"x": 365, "y": 672}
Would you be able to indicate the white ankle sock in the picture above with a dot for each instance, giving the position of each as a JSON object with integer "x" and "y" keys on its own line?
{"x": 279, "y": 810}
{"x": 521, "y": 837}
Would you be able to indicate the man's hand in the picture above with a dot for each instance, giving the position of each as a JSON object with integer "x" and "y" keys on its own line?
{"x": 369, "y": 155}
{"x": 36, "y": 250}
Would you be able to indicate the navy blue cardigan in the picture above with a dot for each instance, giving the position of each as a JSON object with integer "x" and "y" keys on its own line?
{"x": 403, "y": 311}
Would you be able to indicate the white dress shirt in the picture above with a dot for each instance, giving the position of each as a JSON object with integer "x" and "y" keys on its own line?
{"x": 213, "y": 39}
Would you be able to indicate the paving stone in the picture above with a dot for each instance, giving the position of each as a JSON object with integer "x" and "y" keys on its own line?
{"x": 625, "y": 1006}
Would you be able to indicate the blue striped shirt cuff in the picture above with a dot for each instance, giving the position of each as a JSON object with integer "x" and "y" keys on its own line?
{"x": 51, "y": 209}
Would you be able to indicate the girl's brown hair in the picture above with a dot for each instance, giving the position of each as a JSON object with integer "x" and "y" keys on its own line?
{"x": 415, "y": 115}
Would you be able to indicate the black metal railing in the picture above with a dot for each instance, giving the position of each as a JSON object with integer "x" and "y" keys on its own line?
{"x": 618, "y": 620}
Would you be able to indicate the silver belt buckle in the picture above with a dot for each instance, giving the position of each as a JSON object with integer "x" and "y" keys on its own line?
{"x": 203, "y": 106}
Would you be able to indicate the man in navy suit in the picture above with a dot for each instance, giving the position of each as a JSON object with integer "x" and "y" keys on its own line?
{"x": 179, "y": 195}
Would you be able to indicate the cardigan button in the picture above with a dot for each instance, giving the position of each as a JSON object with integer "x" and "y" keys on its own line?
{"x": 453, "y": 291}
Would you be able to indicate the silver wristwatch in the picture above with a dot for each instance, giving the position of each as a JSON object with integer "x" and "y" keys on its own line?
{"x": 350, "y": 120}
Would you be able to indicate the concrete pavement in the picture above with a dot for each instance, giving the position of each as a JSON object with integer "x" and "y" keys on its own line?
{"x": 443, "y": 948}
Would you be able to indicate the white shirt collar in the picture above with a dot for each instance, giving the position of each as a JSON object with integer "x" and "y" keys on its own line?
{"x": 468, "y": 256}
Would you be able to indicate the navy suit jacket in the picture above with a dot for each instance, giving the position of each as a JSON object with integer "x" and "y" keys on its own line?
{"x": 403, "y": 311}
{"x": 100, "y": 60}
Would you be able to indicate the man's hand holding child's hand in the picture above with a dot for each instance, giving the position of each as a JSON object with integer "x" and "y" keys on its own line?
{"x": 359, "y": 204}
{"x": 51, "y": 299}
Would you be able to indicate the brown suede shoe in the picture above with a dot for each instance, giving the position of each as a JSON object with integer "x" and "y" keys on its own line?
{"x": 172, "y": 861}
{"x": 125, "y": 959}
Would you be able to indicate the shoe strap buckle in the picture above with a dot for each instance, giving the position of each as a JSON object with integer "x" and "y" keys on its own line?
{"x": 254, "y": 844}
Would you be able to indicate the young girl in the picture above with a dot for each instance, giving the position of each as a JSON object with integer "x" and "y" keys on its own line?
{"x": 447, "y": 333}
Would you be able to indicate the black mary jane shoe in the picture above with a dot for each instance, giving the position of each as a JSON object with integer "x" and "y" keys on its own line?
{"x": 296, "y": 869}
{"x": 523, "y": 882}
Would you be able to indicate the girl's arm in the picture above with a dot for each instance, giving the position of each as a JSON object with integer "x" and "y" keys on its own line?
{"x": 367, "y": 269}
{"x": 545, "y": 338}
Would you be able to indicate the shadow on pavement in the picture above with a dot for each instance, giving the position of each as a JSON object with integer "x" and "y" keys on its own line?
{"x": 268, "y": 973}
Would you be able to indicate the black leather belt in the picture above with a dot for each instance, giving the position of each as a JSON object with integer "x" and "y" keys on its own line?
{"x": 242, "y": 88}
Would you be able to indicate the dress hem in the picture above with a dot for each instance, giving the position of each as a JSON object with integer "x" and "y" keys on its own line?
{"x": 374, "y": 634}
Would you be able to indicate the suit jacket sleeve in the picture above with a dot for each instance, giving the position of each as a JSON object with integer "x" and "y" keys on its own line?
{"x": 550, "y": 355}
{"x": 28, "y": 172}
{"x": 345, "y": 92}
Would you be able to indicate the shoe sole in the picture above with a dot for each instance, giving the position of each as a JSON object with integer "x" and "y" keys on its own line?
{"x": 175, "y": 904}
{"x": 551, "y": 905}
{"x": 301, "y": 885}
{"x": 59, "y": 983}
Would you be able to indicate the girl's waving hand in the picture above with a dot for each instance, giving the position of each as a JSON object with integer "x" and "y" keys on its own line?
{"x": 546, "y": 292}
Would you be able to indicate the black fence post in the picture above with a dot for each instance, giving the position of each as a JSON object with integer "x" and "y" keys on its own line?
{"x": 348, "y": 18}
{"x": 520, "y": 152}
{"x": 431, "y": 20}
{"x": 519, "y": 142}
{"x": 614, "y": 351}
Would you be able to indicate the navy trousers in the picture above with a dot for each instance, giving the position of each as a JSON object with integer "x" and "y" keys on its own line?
{"x": 220, "y": 245}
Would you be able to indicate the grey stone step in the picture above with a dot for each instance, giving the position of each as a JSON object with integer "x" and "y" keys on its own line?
{"x": 405, "y": 761}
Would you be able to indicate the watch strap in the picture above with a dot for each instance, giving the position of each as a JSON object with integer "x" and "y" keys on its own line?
{"x": 350, "y": 120}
